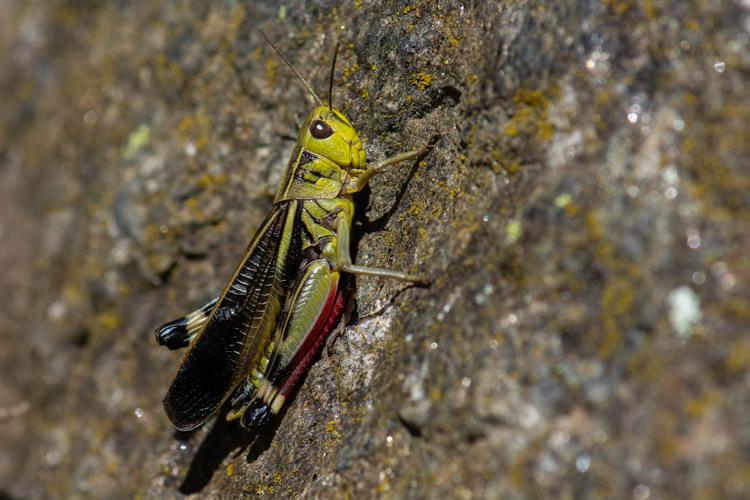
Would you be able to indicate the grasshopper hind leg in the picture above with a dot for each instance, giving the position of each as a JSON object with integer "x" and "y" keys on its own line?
{"x": 257, "y": 414}
{"x": 178, "y": 333}
{"x": 313, "y": 309}
{"x": 250, "y": 410}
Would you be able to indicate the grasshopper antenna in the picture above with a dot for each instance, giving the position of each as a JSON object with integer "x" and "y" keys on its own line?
{"x": 283, "y": 58}
{"x": 330, "y": 81}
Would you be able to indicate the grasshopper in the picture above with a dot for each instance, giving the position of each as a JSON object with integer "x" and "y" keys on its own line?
{"x": 252, "y": 344}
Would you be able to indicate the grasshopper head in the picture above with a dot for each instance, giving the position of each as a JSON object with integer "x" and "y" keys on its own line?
{"x": 328, "y": 133}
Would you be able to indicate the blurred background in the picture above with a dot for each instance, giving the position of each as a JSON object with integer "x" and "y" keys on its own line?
{"x": 584, "y": 218}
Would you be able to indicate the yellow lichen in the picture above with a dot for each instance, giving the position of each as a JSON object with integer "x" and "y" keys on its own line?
{"x": 271, "y": 73}
{"x": 207, "y": 180}
{"x": 137, "y": 140}
{"x": 108, "y": 320}
{"x": 349, "y": 70}
{"x": 619, "y": 7}
{"x": 421, "y": 80}
{"x": 531, "y": 116}
{"x": 196, "y": 129}
{"x": 513, "y": 231}
{"x": 738, "y": 360}
{"x": 331, "y": 427}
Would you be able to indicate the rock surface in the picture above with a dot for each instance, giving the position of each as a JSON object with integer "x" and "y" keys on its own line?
{"x": 584, "y": 218}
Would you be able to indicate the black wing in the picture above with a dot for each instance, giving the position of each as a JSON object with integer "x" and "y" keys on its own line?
{"x": 241, "y": 323}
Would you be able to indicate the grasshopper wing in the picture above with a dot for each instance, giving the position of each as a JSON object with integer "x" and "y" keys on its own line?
{"x": 241, "y": 323}
{"x": 313, "y": 307}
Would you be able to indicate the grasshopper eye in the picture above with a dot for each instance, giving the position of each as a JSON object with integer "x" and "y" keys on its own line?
{"x": 320, "y": 129}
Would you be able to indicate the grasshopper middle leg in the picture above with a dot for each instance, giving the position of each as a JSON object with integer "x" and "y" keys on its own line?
{"x": 345, "y": 265}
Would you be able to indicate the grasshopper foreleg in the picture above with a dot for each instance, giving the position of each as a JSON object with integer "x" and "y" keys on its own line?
{"x": 375, "y": 168}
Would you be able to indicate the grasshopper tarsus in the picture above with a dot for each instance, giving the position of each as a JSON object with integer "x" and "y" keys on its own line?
{"x": 333, "y": 337}
{"x": 422, "y": 282}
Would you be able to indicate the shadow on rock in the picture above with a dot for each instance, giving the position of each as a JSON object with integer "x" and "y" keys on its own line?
{"x": 221, "y": 441}
{"x": 224, "y": 438}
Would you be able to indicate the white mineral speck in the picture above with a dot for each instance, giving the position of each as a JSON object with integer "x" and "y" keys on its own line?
{"x": 670, "y": 175}
{"x": 693, "y": 237}
{"x": 684, "y": 310}
{"x": 583, "y": 462}
{"x": 57, "y": 310}
{"x": 641, "y": 492}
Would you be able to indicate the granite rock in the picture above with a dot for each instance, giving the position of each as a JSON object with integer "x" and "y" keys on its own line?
{"x": 583, "y": 217}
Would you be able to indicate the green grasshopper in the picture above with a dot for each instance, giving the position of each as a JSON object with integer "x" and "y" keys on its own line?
{"x": 252, "y": 344}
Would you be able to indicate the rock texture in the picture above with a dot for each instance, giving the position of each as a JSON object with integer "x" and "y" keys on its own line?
{"x": 584, "y": 218}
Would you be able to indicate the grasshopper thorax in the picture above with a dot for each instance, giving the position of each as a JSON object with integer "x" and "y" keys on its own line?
{"x": 327, "y": 132}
